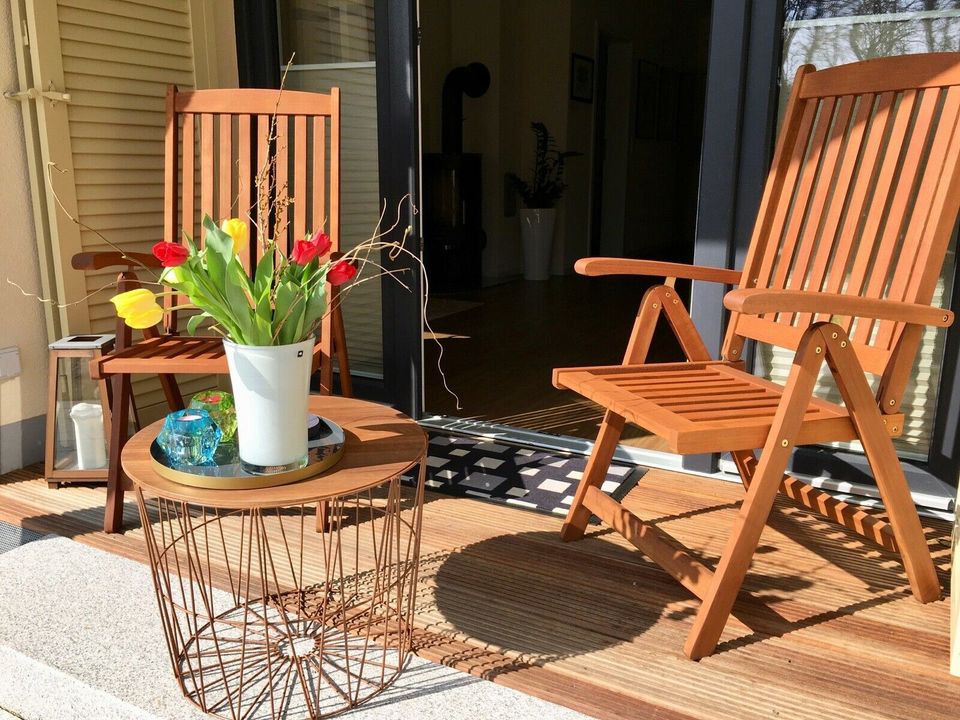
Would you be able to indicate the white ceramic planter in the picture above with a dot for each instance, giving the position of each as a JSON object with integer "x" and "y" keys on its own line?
{"x": 536, "y": 230}
{"x": 271, "y": 385}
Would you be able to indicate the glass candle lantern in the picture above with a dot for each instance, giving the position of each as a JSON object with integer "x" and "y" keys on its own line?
{"x": 221, "y": 407}
{"x": 189, "y": 437}
{"x": 78, "y": 411}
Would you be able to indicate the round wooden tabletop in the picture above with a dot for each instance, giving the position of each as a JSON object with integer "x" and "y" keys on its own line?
{"x": 381, "y": 443}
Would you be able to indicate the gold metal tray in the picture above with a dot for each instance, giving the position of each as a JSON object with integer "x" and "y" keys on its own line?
{"x": 226, "y": 473}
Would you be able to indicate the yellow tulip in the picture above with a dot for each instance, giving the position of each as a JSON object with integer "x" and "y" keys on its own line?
{"x": 138, "y": 308}
{"x": 237, "y": 229}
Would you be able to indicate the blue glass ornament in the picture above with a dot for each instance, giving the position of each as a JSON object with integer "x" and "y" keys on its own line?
{"x": 189, "y": 437}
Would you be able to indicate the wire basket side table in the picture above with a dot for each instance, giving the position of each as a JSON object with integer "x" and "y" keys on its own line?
{"x": 294, "y": 601}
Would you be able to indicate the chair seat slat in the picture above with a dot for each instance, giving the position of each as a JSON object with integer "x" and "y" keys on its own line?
{"x": 899, "y": 209}
{"x": 698, "y": 424}
{"x": 907, "y": 280}
{"x": 846, "y": 234}
{"x": 825, "y": 195}
{"x": 882, "y": 189}
{"x": 834, "y": 259}
{"x": 792, "y": 243}
{"x": 761, "y": 277}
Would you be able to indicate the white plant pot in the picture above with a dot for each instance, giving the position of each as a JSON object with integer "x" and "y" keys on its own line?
{"x": 536, "y": 230}
{"x": 271, "y": 386}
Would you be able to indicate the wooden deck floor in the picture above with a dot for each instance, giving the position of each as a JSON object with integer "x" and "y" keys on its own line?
{"x": 594, "y": 626}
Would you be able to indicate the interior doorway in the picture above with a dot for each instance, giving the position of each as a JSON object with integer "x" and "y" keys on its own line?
{"x": 620, "y": 86}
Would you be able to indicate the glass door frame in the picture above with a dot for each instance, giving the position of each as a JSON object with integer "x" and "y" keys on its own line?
{"x": 742, "y": 103}
{"x": 398, "y": 136}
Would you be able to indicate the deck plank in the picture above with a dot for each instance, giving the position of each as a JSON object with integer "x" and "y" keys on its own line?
{"x": 595, "y": 626}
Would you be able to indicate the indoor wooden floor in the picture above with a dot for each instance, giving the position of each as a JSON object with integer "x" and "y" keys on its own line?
{"x": 594, "y": 626}
{"x": 500, "y": 345}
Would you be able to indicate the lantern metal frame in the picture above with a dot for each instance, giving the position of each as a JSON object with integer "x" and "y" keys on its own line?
{"x": 90, "y": 347}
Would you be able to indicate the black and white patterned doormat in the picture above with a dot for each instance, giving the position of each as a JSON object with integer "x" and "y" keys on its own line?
{"x": 532, "y": 479}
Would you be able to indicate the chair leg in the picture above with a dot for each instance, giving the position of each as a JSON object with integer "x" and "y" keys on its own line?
{"x": 611, "y": 428}
{"x": 119, "y": 418}
{"x": 911, "y": 541}
{"x": 606, "y": 444}
{"x": 746, "y": 462}
{"x": 323, "y": 516}
{"x": 171, "y": 391}
{"x": 763, "y": 488}
{"x": 737, "y": 554}
{"x": 340, "y": 348}
{"x": 887, "y": 470}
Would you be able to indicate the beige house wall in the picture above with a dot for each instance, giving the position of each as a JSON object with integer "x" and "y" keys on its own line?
{"x": 214, "y": 43}
{"x": 22, "y": 398}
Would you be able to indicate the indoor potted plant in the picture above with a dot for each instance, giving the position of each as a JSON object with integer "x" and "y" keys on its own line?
{"x": 540, "y": 195}
{"x": 268, "y": 321}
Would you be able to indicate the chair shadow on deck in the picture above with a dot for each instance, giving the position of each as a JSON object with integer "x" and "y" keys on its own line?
{"x": 534, "y": 598}
{"x": 75, "y": 524}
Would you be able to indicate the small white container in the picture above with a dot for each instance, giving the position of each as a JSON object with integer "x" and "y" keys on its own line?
{"x": 88, "y": 432}
{"x": 536, "y": 232}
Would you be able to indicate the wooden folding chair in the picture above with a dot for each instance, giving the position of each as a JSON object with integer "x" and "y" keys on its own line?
{"x": 852, "y": 231}
{"x": 234, "y": 135}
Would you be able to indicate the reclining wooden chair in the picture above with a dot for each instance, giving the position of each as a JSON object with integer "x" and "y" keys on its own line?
{"x": 853, "y": 227}
{"x": 230, "y": 132}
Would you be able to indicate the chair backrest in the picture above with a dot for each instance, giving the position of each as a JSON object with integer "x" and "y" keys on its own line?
{"x": 290, "y": 139}
{"x": 861, "y": 199}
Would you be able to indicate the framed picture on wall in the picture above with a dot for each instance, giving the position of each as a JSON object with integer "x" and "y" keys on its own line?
{"x": 668, "y": 101}
{"x": 581, "y": 78}
{"x": 648, "y": 100}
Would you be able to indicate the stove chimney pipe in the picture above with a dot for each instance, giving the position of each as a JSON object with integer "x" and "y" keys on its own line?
{"x": 472, "y": 79}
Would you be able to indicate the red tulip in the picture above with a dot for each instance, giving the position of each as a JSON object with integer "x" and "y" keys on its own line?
{"x": 340, "y": 272}
{"x": 170, "y": 254}
{"x": 322, "y": 242}
{"x": 303, "y": 252}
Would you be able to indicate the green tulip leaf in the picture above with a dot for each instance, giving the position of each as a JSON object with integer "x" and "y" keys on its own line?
{"x": 263, "y": 275}
{"x": 316, "y": 304}
{"x": 218, "y": 241}
{"x": 194, "y": 322}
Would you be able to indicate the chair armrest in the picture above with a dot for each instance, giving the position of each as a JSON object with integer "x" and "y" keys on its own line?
{"x": 593, "y": 266}
{"x": 112, "y": 258}
{"x": 759, "y": 301}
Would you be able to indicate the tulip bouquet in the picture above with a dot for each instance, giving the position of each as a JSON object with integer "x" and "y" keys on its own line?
{"x": 281, "y": 304}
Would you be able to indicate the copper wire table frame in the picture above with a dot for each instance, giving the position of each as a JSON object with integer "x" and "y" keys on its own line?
{"x": 288, "y": 609}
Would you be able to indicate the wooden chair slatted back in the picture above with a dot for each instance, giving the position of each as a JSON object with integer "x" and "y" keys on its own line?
{"x": 289, "y": 139}
{"x": 861, "y": 199}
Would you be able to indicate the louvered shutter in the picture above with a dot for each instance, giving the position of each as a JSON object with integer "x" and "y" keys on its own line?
{"x": 115, "y": 58}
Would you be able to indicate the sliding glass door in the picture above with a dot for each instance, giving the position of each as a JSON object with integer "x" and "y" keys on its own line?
{"x": 826, "y": 33}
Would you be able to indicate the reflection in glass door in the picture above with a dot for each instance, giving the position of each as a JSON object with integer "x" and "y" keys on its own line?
{"x": 332, "y": 44}
{"x": 826, "y": 33}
